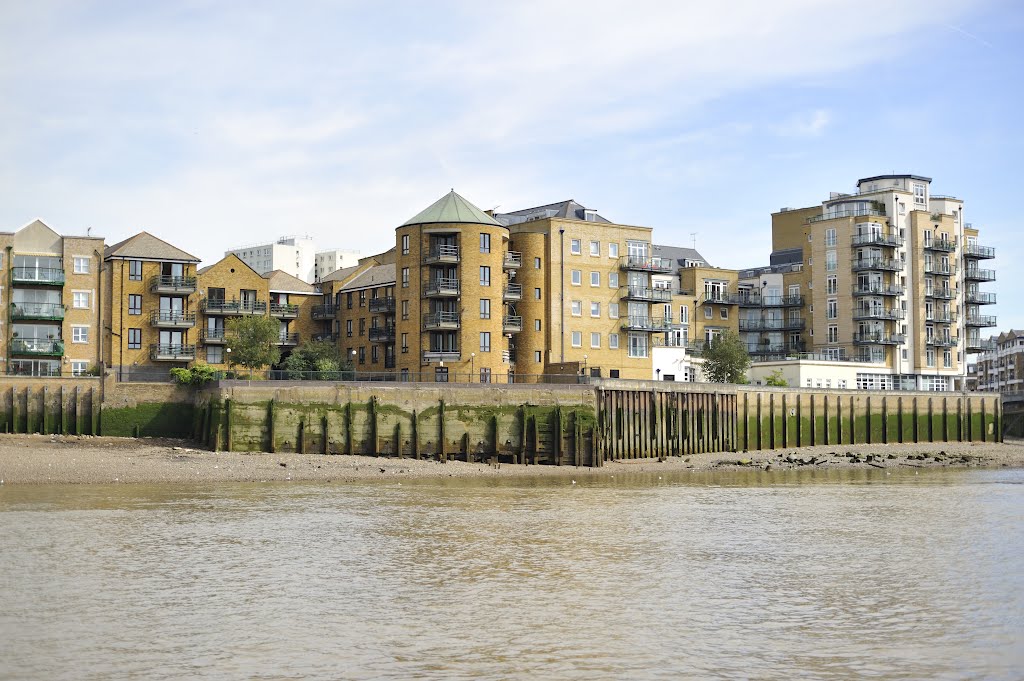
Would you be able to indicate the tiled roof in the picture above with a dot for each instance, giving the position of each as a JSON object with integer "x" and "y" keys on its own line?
{"x": 279, "y": 280}
{"x": 569, "y": 209}
{"x": 678, "y": 254}
{"x": 451, "y": 208}
{"x": 342, "y": 274}
{"x": 379, "y": 275}
{"x": 145, "y": 245}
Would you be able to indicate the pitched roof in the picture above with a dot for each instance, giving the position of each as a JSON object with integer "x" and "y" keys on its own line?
{"x": 569, "y": 209}
{"x": 229, "y": 256}
{"x": 678, "y": 254}
{"x": 145, "y": 245}
{"x": 342, "y": 274}
{"x": 378, "y": 275}
{"x": 280, "y": 280}
{"x": 451, "y": 208}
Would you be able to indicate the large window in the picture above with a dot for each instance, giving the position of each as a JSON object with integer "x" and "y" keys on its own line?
{"x": 134, "y": 339}
{"x": 485, "y": 275}
{"x": 135, "y": 270}
{"x": 485, "y": 243}
{"x": 81, "y": 300}
{"x": 81, "y": 265}
{"x": 134, "y": 303}
{"x": 485, "y": 308}
{"x": 485, "y": 341}
{"x": 638, "y": 345}
{"x": 79, "y": 334}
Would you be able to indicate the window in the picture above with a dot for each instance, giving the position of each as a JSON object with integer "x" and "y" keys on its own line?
{"x": 613, "y": 310}
{"x": 536, "y": 294}
{"x": 947, "y": 359}
{"x": 537, "y": 356}
{"x": 362, "y": 326}
{"x": 362, "y": 298}
{"x": 536, "y": 325}
{"x": 830, "y": 236}
{"x": 708, "y": 312}
{"x": 81, "y": 300}
{"x": 577, "y": 339}
{"x": 134, "y": 339}
{"x": 135, "y": 270}
{"x": 684, "y": 314}
{"x": 595, "y": 309}
{"x": 485, "y": 308}
{"x": 405, "y": 244}
{"x": 833, "y": 333}
{"x": 831, "y": 264}
{"x": 832, "y": 309}
{"x": 348, "y": 301}
{"x": 595, "y": 248}
{"x": 725, "y": 313}
{"x": 577, "y": 278}
{"x": 613, "y": 341}
{"x": 134, "y": 303}
{"x": 577, "y": 308}
{"x": 595, "y": 278}
{"x": 930, "y": 357}
{"x": 214, "y": 354}
{"x": 595, "y": 339}
{"x": 485, "y": 275}
{"x": 485, "y": 242}
{"x": 485, "y": 341}
{"x": 613, "y": 250}
{"x": 405, "y": 309}
{"x": 536, "y": 263}
{"x": 574, "y": 246}
{"x": 374, "y": 354}
{"x": 348, "y": 328}
{"x": 831, "y": 285}
{"x": 485, "y": 375}
{"x": 919, "y": 196}
{"x": 362, "y": 355}
{"x": 405, "y": 283}
{"x": 405, "y": 342}
{"x": 637, "y": 345}
{"x": 79, "y": 334}
{"x": 613, "y": 280}
{"x": 79, "y": 368}
{"x": 81, "y": 265}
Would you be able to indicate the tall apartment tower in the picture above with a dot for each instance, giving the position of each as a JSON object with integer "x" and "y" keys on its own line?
{"x": 892, "y": 272}
{"x": 453, "y": 293}
{"x": 294, "y": 255}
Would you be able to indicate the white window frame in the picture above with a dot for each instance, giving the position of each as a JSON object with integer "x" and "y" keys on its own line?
{"x": 576, "y": 308}
{"x": 575, "y": 247}
{"x": 613, "y": 280}
{"x": 82, "y": 260}
{"x": 595, "y": 308}
{"x": 79, "y": 367}
{"x": 595, "y": 279}
{"x": 577, "y": 339}
{"x": 613, "y": 310}
{"x": 75, "y": 297}
{"x": 595, "y": 339}
{"x": 613, "y": 341}
{"x": 79, "y": 333}
{"x": 595, "y": 249}
{"x": 613, "y": 250}
{"x": 576, "y": 277}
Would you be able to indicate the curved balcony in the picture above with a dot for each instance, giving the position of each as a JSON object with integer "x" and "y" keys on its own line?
{"x": 168, "y": 284}
{"x": 941, "y": 269}
{"x": 979, "y": 298}
{"x": 882, "y": 290}
{"x": 511, "y": 323}
{"x": 877, "y": 265}
{"x": 980, "y": 320}
{"x": 444, "y": 287}
{"x": 442, "y": 254}
{"x": 879, "y": 314}
{"x": 328, "y": 311}
{"x": 979, "y": 252}
{"x": 172, "y": 352}
{"x": 976, "y": 274}
{"x": 512, "y": 292}
{"x": 941, "y": 245}
{"x": 942, "y": 341}
{"x": 39, "y": 347}
{"x": 40, "y": 311}
{"x": 877, "y": 239}
{"x": 442, "y": 320}
{"x": 172, "y": 319}
{"x": 37, "y": 276}
{"x": 878, "y": 338}
{"x": 645, "y": 294}
{"x": 513, "y": 260}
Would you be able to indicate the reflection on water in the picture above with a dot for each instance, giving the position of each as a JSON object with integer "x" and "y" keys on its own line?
{"x": 811, "y": 574}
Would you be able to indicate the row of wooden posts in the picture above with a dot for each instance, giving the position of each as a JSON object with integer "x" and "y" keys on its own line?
{"x": 60, "y": 410}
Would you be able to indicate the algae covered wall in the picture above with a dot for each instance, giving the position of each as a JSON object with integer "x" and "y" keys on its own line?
{"x": 542, "y": 424}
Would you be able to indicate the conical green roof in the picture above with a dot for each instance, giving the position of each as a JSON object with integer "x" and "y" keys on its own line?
{"x": 452, "y": 208}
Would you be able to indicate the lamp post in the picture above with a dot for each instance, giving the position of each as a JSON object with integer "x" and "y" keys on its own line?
{"x": 472, "y": 366}
{"x": 353, "y": 353}
{"x": 584, "y": 367}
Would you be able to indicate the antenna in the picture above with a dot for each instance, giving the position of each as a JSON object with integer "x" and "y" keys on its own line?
{"x": 693, "y": 238}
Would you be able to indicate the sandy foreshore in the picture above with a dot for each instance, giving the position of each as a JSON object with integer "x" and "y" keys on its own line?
{"x": 39, "y": 459}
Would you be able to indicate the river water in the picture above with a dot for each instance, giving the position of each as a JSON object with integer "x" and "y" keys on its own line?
{"x": 830, "y": 575}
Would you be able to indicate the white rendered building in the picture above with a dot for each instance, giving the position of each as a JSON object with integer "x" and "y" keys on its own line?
{"x": 292, "y": 254}
{"x": 333, "y": 260}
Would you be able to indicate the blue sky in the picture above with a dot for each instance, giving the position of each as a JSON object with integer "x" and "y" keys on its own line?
{"x": 215, "y": 124}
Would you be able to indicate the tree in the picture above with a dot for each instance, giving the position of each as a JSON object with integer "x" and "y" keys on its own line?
{"x": 322, "y": 357}
{"x": 776, "y": 380}
{"x": 726, "y": 359}
{"x": 252, "y": 341}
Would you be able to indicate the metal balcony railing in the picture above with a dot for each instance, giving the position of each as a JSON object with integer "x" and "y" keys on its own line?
{"x": 980, "y": 320}
{"x": 382, "y": 304}
{"x": 512, "y": 323}
{"x": 641, "y": 263}
{"x": 513, "y": 260}
{"x": 37, "y": 276}
{"x": 979, "y": 298}
{"x": 979, "y": 252}
{"x": 943, "y": 245}
{"x": 326, "y": 311}
{"x": 652, "y": 324}
{"x": 172, "y": 318}
{"x": 942, "y": 341}
{"x": 172, "y": 352}
{"x": 976, "y": 274}
{"x": 168, "y": 284}
{"x": 878, "y": 338}
{"x": 878, "y": 290}
{"x": 288, "y": 339}
{"x": 442, "y": 254}
{"x": 513, "y": 292}
{"x": 215, "y": 306}
{"x": 877, "y": 239}
{"x": 940, "y": 293}
{"x": 212, "y": 336}
{"x": 49, "y": 311}
{"x": 441, "y": 287}
{"x": 654, "y": 295}
{"x": 442, "y": 320}
{"x": 878, "y": 264}
{"x": 878, "y": 313}
{"x": 942, "y": 269}
{"x": 284, "y": 310}
{"x": 37, "y": 346}
{"x": 382, "y": 334}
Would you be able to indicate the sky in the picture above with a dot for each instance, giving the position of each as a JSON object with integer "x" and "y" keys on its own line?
{"x": 218, "y": 124}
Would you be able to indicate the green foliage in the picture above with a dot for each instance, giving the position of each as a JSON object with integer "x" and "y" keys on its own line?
{"x": 726, "y": 359}
{"x": 252, "y": 341}
{"x": 197, "y": 375}
{"x": 776, "y": 380}
{"x": 317, "y": 359}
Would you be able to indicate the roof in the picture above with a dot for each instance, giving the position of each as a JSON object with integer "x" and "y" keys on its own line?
{"x": 280, "y": 280}
{"x": 229, "y": 256}
{"x": 145, "y": 245}
{"x": 451, "y": 208}
{"x": 678, "y": 254}
{"x": 569, "y": 210}
{"x": 894, "y": 177}
{"x": 378, "y": 275}
{"x": 342, "y": 274}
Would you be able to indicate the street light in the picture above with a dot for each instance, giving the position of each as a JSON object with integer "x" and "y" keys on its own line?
{"x": 472, "y": 366}
{"x": 584, "y": 365}
{"x": 353, "y": 353}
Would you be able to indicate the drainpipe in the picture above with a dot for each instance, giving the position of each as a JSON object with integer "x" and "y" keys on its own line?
{"x": 561, "y": 296}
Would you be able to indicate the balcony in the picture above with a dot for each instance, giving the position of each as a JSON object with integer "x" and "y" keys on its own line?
{"x": 878, "y": 290}
{"x": 172, "y": 319}
{"x": 172, "y": 353}
{"x": 651, "y": 295}
{"x": 979, "y": 298}
{"x": 877, "y": 264}
{"x": 940, "y": 293}
{"x": 35, "y": 276}
{"x": 382, "y": 334}
{"x": 976, "y": 345}
{"x": 650, "y": 324}
{"x": 437, "y": 321}
{"x": 975, "y": 274}
{"x": 639, "y": 263}
{"x": 327, "y": 311}
{"x": 383, "y": 305}
{"x": 232, "y": 307}
{"x": 441, "y": 356}
{"x": 169, "y": 284}
{"x": 878, "y": 313}
{"x": 512, "y": 292}
{"x": 513, "y": 260}
{"x": 723, "y": 298}
{"x": 284, "y": 310}
{"x": 779, "y": 349}
{"x": 39, "y": 347}
{"x": 942, "y": 341}
{"x": 942, "y": 245}
{"x": 443, "y": 254}
{"x": 852, "y": 213}
{"x": 941, "y": 317}
{"x": 980, "y": 320}
{"x": 771, "y": 324}
{"x": 941, "y": 269}
{"x": 877, "y": 239}
{"x": 878, "y": 338}
{"x": 511, "y": 323}
{"x": 289, "y": 339}
{"x": 212, "y": 337}
{"x": 326, "y": 337}
{"x": 979, "y": 252}
{"x": 441, "y": 288}
{"x": 40, "y": 311}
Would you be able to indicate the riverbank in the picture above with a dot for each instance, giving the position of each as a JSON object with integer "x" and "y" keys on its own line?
{"x": 39, "y": 459}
